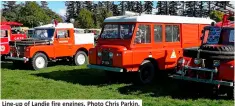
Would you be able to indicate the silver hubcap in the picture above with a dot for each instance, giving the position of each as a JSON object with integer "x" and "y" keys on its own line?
{"x": 81, "y": 59}
{"x": 40, "y": 62}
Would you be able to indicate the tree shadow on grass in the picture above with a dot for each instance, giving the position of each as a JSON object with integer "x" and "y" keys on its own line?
{"x": 170, "y": 87}
{"x": 84, "y": 77}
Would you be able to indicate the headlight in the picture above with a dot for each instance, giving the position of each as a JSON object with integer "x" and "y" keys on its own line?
{"x": 110, "y": 54}
{"x": 181, "y": 61}
{"x": 216, "y": 63}
{"x": 197, "y": 61}
{"x": 99, "y": 54}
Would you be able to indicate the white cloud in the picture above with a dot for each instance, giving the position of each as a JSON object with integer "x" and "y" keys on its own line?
{"x": 62, "y": 12}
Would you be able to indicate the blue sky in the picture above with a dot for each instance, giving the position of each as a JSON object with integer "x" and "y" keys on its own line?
{"x": 59, "y": 6}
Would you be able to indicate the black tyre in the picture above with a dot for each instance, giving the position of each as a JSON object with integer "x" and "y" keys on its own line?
{"x": 39, "y": 61}
{"x": 230, "y": 92}
{"x": 225, "y": 48}
{"x": 146, "y": 73}
{"x": 80, "y": 58}
{"x": 3, "y": 58}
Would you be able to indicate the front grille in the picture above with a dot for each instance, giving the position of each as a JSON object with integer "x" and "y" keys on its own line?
{"x": 105, "y": 55}
{"x": 209, "y": 64}
{"x": 105, "y": 59}
{"x": 18, "y": 50}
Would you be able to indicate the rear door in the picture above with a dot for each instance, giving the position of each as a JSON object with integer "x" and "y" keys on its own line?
{"x": 172, "y": 45}
{"x": 158, "y": 52}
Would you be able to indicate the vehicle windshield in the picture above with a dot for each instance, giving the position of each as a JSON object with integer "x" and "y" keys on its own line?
{"x": 117, "y": 31}
{"x": 4, "y": 33}
{"x": 17, "y": 30}
{"x": 218, "y": 35}
{"x": 43, "y": 33}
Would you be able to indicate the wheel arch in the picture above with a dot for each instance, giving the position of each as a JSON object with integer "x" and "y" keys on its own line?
{"x": 82, "y": 49}
{"x": 42, "y": 53}
{"x": 153, "y": 61}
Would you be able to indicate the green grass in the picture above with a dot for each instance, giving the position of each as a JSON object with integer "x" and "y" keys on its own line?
{"x": 73, "y": 82}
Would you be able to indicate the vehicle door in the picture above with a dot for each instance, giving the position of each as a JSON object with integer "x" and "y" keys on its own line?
{"x": 142, "y": 46}
{"x": 4, "y": 45}
{"x": 158, "y": 52}
{"x": 172, "y": 45}
{"x": 63, "y": 43}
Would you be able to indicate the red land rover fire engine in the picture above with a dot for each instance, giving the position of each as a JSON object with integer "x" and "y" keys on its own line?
{"x": 213, "y": 61}
{"x": 7, "y": 35}
{"x": 144, "y": 43}
{"x": 51, "y": 42}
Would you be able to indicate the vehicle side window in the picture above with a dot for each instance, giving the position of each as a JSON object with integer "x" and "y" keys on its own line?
{"x": 143, "y": 34}
{"x": 4, "y": 33}
{"x": 158, "y": 33}
{"x": 172, "y": 33}
{"x": 62, "y": 34}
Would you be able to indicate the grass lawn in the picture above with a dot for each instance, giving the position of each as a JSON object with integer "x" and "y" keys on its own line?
{"x": 73, "y": 82}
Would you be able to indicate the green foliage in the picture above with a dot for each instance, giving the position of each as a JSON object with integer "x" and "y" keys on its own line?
{"x": 29, "y": 13}
{"x": 32, "y": 14}
{"x": 216, "y": 15}
{"x": 85, "y": 17}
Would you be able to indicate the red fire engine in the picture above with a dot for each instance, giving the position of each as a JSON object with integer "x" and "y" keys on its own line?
{"x": 213, "y": 62}
{"x": 7, "y": 34}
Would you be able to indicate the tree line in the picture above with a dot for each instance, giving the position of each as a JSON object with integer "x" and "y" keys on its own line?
{"x": 88, "y": 14}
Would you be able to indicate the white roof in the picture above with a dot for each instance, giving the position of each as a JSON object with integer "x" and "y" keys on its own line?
{"x": 59, "y": 25}
{"x": 159, "y": 19}
{"x": 78, "y": 29}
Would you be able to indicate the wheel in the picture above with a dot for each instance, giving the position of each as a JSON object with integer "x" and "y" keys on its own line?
{"x": 225, "y": 48}
{"x": 230, "y": 92}
{"x": 80, "y": 58}
{"x": 3, "y": 58}
{"x": 145, "y": 73}
{"x": 39, "y": 61}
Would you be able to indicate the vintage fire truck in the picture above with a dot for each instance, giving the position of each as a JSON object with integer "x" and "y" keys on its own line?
{"x": 213, "y": 62}
{"x": 8, "y": 35}
{"x": 144, "y": 44}
{"x": 52, "y": 42}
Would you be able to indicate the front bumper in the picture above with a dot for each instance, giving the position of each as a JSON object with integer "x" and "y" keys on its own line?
{"x": 18, "y": 58}
{"x": 180, "y": 74}
{"x": 114, "y": 69}
{"x": 216, "y": 82}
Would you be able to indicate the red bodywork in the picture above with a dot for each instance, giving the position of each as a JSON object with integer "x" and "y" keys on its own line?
{"x": 6, "y": 29}
{"x": 225, "y": 69}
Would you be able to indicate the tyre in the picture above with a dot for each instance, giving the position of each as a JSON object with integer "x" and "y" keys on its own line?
{"x": 146, "y": 73}
{"x": 80, "y": 58}
{"x": 230, "y": 92}
{"x": 39, "y": 61}
{"x": 3, "y": 58}
{"x": 225, "y": 48}
{"x": 220, "y": 52}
